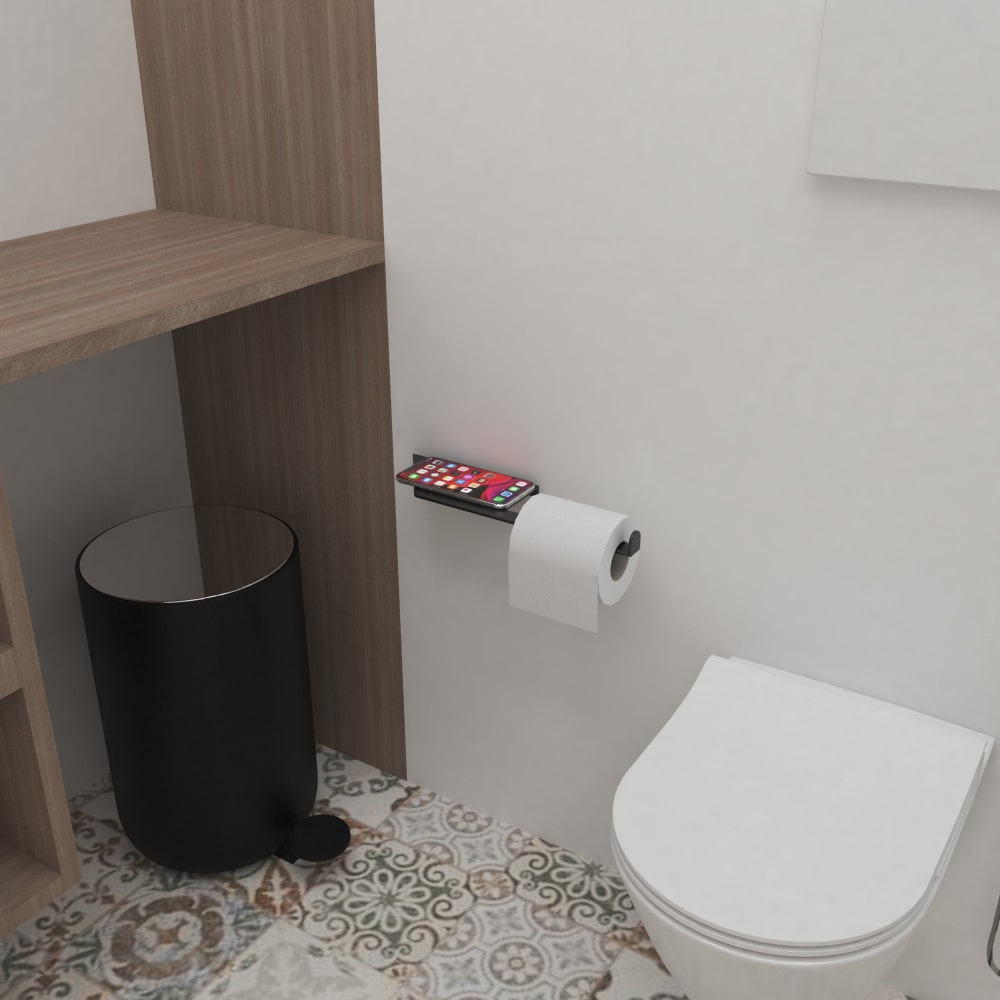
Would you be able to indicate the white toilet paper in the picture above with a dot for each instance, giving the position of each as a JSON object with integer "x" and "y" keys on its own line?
{"x": 561, "y": 559}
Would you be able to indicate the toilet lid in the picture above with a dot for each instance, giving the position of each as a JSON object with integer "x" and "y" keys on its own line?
{"x": 780, "y": 810}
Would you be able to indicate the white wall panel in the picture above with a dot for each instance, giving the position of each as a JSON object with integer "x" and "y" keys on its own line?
{"x": 909, "y": 90}
{"x": 609, "y": 270}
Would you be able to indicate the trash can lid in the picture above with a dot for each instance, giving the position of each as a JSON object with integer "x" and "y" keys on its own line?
{"x": 186, "y": 554}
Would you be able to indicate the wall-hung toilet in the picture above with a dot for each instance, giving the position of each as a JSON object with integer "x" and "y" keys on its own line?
{"x": 782, "y": 838}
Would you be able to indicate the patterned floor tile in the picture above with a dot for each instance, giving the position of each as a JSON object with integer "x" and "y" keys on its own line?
{"x": 276, "y": 887}
{"x": 637, "y": 939}
{"x": 633, "y": 977}
{"x": 166, "y": 945}
{"x": 64, "y": 986}
{"x": 454, "y": 834}
{"x": 151, "y": 943}
{"x": 103, "y": 808}
{"x": 279, "y": 887}
{"x": 103, "y": 784}
{"x": 111, "y": 871}
{"x": 585, "y": 891}
{"x": 285, "y": 963}
{"x": 433, "y": 901}
{"x": 356, "y": 791}
{"x": 387, "y": 904}
{"x": 514, "y": 950}
{"x": 19, "y": 961}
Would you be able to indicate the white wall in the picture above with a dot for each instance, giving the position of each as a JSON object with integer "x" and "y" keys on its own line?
{"x": 610, "y": 272}
{"x": 85, "y": 446}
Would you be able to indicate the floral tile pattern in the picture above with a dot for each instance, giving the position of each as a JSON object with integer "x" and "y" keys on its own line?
{"x": 585, "y": 891}
{"x": 512, "y": 950}
{"x": 168, "y": 944}
{"x": 433, "y": 901}
{"x": 288, "y": 964}
{"x": 60, "y": 984}
{"x": 152, "y": 943}
{"x": 387, "y": 903}
{"x": 111, "y": 870}
{"x": 636, "y": 939}
{"x": 452, "y": 833}
{"x": 355, "y": 791}
{"x": 277, "y": 887}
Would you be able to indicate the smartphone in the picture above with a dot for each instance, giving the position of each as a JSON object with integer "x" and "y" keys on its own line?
{"x": 467, "y": 482}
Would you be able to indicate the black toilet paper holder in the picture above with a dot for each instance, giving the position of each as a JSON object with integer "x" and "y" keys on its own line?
{"x": 626, "y": 549}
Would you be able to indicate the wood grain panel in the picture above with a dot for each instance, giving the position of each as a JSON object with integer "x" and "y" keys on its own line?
{"x": 10, "y": 680}
{"x": 76, "y": 292}
{"x": 38, "y": 858}
{"x": 264, "y": 110}
{"x": 24, "y": 822}
{"x": 267, "y": 111}
{"x": 327, "y": 470}
{"x": 27, "y": 887}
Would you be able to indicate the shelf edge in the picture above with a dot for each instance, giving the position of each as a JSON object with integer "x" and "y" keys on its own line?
{"x": 100, "y": 340}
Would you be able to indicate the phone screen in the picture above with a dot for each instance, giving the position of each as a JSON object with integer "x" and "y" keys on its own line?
{"x": 467, "y": 482}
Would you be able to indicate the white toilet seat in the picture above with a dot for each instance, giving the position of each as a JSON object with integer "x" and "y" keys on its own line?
{"x": 787, "y": 818}
{"x": 804, "y": 953}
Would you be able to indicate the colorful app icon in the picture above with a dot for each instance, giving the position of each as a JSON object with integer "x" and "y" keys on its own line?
{"x": 453, "y": 486}
{"x": 521, "y": 483}
{"x": 451, "y": 465}
{"x": 506, "y": 493}
{"x": 440, "y": 482}
{"x": 498, "y": 499}
{"x": 427, "y": 479}
{"x": 515, "y": 489}
{"x": 466, "y": 490}
{"x": 463, "y": 468}
{"x": 435, "y": 461}
{"x": 447, "y": 479}
{"x": 487, "y": 475}
{"x": 413, "y": 475}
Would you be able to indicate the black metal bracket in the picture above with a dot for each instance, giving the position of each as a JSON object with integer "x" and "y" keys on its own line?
{"x": 509, "y": 515}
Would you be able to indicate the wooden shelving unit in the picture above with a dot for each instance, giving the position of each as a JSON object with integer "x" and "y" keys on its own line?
{"x": 64, "y": 296}
{"x": 77, "y": 292}
{"x": 37, "y": 856}
{"x": 262, "y": 120}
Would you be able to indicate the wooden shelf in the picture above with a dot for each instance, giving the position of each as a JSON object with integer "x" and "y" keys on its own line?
{"x": 73, "y": 293}
{"x": 27, "y": 885}
{"x": 38, "y": 857}
{"x": 283, "y": 373}
{"x": 10, "y": 680}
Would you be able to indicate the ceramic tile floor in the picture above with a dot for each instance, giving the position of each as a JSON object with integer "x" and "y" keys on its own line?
{"x": 433, "y": 901}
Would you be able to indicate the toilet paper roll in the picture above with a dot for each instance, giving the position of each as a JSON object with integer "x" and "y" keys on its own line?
{"x": 562, "y": 559}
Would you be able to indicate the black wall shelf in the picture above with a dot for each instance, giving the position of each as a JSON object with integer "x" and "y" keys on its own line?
{"x": 509, "y": 515}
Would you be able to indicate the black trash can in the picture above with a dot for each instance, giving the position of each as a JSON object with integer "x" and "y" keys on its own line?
{"x": 195, "y": 625}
